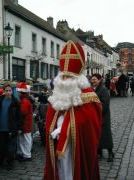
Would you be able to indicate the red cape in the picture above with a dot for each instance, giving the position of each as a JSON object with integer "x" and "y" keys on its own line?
{"x": 84, "y": 124}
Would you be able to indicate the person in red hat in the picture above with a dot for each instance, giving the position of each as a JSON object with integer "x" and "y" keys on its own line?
{"x": 25, "y": 138}
{"x": 73, "y": 121}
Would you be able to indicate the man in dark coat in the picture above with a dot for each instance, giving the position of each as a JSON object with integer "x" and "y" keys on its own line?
{"x": 132, "y": 85}
{"x": 107, "y": 81}
{"x": 41, "y": 112}
{"x": 10, "y": 124}
{"x": 122, "y": 85}
{"x": 106, "y": 141}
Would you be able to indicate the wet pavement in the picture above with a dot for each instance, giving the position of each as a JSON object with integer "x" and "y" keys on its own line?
{"x": 122, "y": 119}
{"x": 30, "y": 170}
{"x": 122, "y": 168}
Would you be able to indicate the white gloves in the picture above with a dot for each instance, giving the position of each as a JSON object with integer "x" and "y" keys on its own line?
{"x": 55, "y": 133}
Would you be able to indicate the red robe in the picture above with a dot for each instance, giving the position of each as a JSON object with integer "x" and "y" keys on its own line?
{"x": 83, "y": 125}
{"x": 26, "y": 113}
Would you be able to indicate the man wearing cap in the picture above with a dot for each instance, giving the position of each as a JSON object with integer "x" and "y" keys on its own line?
{"x": 25, "y": 138}
{"x": 73, "y": 121}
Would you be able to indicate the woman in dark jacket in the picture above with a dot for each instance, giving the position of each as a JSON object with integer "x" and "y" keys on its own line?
{"x": 106, "y": 141}
{"x": 9, "y": 126}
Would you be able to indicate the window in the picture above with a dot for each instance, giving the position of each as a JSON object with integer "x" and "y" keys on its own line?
{"x": 56, "y": 69}
{"x": 34, "y": 42}
{"x": 51, "y": 71}
{"x": 34, "y": 69}
{"x": 58, "y": 50}
{"x": 17, "y": 36}
{"x": 52, "y": 49}
{"x": 44, "y": 46}
{"x": 18, "y": 69}
{"x": 44, "y": 71}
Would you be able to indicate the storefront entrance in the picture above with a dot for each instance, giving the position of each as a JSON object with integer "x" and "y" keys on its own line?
{"x": 18, "y": 69}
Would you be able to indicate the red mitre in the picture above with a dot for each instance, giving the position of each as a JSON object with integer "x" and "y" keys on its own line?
{"x": 72, "y": 59}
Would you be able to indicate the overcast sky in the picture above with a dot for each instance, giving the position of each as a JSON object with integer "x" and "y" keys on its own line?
{"x": 112, "y": 18}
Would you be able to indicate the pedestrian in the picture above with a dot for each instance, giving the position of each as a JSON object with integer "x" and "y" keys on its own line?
{"x": 106, "y": 141}
{"x": 107, "y": 81}
{"x": 73, "y": 121}
{"x": 52, "y": 83}
{"x": 122, "y": 85}
{"x": 9, "y": 127}
{"x": 132, "y": 86}
{"x": 43, "y": 95}
{"x": 25, "y": 138}
{"x": 113, "y": 86}
{"x": 41, "y": 113}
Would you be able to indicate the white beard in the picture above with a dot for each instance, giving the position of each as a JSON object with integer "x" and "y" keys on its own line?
{"x": 67, "y": 93}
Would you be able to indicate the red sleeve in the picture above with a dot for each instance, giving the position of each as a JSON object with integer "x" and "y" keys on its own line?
{"x": 25, "y": 107}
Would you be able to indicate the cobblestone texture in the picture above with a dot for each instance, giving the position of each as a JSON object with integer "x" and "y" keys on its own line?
{"x": 122, "y": 120}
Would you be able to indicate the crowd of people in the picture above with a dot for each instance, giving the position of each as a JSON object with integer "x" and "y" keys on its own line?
{"x": 119, "y": 85}
{"x": 18, "y": 109}
{"x": 73, "y": 120}
{"x": 15, "y": 126}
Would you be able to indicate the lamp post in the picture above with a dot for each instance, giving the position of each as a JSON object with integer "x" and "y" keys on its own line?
{"x": 88, "y": 56}
{"x": 91, "y": 66}
{"x": 8, "y": 32}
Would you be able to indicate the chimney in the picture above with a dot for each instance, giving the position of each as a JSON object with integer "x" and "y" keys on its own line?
{"x": 62, "y": 26}
{"x": 14, "y": 2}
{"x": 50, "y": 21}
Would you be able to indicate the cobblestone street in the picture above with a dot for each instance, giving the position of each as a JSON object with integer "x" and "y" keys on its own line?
{"x": 122, "y": 117}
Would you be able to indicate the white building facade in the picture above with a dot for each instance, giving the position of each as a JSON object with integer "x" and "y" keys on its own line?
{"x": 114, "y": 61}
{"x": 37, "y": 45}
{"x": 36, "y": 50}
{"x": 98, "y": 62}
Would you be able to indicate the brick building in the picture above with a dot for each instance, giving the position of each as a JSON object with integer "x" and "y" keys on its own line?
{"x": 126, "y": 53}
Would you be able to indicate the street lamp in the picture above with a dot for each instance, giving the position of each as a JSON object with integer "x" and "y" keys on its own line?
{"x": 90, "y": 63}
{"x": 8, "y": 32}
{"x": 88, "y": 56}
